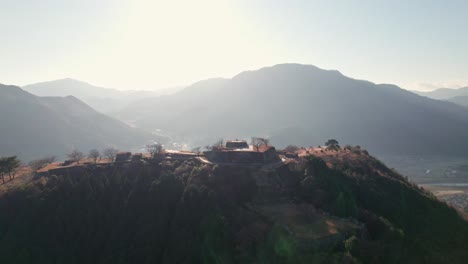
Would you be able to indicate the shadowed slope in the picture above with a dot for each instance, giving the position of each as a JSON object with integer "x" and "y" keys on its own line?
{"x": 35, "y": 126}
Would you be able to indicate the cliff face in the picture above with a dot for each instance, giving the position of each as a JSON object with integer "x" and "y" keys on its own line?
{"x": 345, "y": 210}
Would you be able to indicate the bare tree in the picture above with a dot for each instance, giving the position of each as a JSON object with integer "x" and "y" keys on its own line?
{"x": 110, "y": 153}
{"x": 154, "y": 149}
{"x": 218, "y": 145}
{"x": 40, "y": 163}
{"x": 94, "y": 155}
{"x": 257, "y": 142}
{"x": 75, "y": 156}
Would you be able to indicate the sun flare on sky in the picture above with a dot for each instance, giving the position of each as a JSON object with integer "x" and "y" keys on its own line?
{"x": 153, "y": 44}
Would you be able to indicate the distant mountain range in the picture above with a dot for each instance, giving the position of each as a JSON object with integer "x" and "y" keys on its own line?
{"x": 288, "y": 103}
{"x": 105, "y": 100}
{"x": 457, "y": 96}
{"x": 33, "y": 126}
{"x": 444, "y": 93}
{"x": 305, "y": 105}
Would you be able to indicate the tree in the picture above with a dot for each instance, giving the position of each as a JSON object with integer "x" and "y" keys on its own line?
{"x": 291, "y": 148}
{"x": 218, "y": 145}
{"x": 94, "y": 155}
{"x": 40, "y": 163}
{"x": 154, "y": 149}
{"x": 332, "y": 144}
{"x": 75, "y": 156}
{"x": 257, "y": 142}
{"x": 3, "y": 168}
{"x": 110, "y": 153}
{"x": 13, "y": 164}
{"x": 9, "y": 165}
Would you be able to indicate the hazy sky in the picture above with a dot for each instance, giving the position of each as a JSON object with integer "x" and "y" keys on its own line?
{"x": 141, "y": 44}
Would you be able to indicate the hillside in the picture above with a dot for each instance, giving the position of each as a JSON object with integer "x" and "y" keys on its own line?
{"x": 461, "y": 100}
{"x": 334, "y": 207}
{"x": 308, "y": 105}
{"x": 105, "y": 100}
{"x": 33, "y": 126}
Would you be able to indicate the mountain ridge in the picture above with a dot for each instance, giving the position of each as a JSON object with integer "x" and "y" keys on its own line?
{"x": 106, "y": 100}
{"x": 309, "y": 102}
{"x": 444, "y": 93}
{"x": 461, "y": 100}
{"x": 34, "y": 126}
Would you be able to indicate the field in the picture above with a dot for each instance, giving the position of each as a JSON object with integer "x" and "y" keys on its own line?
{"x": 430, "y": 169}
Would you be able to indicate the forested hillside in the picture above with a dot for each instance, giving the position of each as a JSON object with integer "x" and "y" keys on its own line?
{"x": 342, "y": 211}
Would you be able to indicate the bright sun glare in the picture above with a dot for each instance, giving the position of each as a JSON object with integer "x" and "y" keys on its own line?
{"x": 167, "y": 40}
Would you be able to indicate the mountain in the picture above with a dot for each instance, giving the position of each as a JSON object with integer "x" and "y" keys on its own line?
{"x": 457, "y": 96}
{"x": 33, "y": 126}
{"x": 339, "y": 207}
{"x": 444, "y": 93}
{"x": 308, "y": 105}
{"x": 460, "y": 100}
{"x": 105, "y": 100}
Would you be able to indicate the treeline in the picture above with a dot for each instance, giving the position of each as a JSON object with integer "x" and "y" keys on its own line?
{"x": 76, "y": 156}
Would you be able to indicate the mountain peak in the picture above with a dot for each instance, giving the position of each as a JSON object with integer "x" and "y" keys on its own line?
{"x": 290, "y": 69}
{"x": 69, "y": 86}
{"x": 66, "y": 82}
{"x": 12, "y": 90}
{"x": 299, "y": 66}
